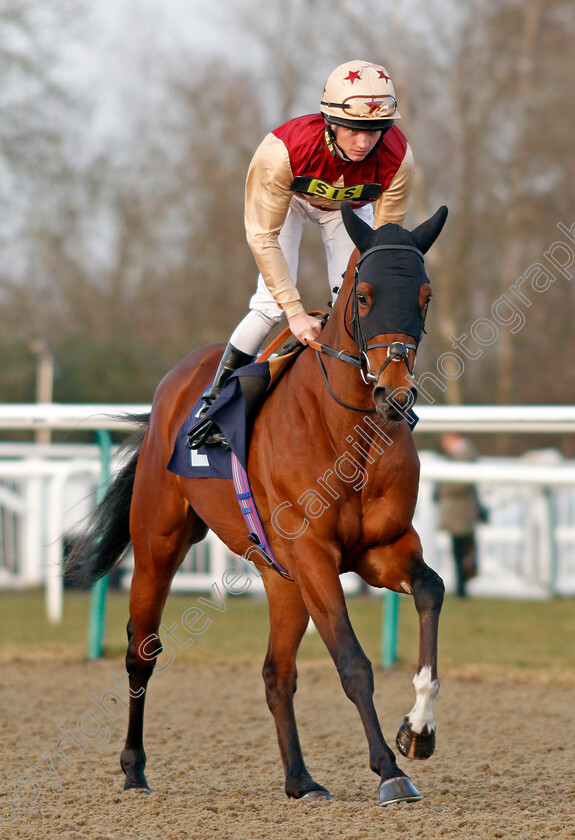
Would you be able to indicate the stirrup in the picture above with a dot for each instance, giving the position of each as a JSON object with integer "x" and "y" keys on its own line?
{"x": 196, "y": 434}
{"x": 206, "y": 433}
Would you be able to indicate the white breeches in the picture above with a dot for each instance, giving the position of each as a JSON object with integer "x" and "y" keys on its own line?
{"x": 264, "y": 312}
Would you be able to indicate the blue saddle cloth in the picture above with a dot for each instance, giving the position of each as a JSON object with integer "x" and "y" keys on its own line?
{"x": 233, "y": 412}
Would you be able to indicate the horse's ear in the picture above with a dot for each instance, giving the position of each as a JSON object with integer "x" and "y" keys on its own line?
{"x": 361, "y": 234}
{"x": 427, "y": 232}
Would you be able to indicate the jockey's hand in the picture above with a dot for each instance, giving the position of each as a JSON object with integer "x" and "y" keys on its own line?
{"x": 305, "y": 327}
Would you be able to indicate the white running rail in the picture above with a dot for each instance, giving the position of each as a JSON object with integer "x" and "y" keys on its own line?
{"x": 528, "y": 546}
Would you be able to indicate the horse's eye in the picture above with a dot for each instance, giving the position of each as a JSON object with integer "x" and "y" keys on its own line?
{"x": 362, "y": 299}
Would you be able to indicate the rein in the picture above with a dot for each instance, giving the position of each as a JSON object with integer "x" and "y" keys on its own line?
{"x": 329, "y": 388}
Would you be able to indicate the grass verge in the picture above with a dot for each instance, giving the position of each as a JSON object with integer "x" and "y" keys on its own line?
{"x": 506, "y": 639}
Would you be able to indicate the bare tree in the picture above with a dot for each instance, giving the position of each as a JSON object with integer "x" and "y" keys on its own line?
{"x": 146, "y": 257}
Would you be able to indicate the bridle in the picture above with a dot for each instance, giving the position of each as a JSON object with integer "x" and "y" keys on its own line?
{"x": 397, "y": 351}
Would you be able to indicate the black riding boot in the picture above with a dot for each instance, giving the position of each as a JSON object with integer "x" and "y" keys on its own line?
{"x": 205, "y": 432}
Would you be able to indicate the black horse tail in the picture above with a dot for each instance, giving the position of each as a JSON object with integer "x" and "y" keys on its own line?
{"x": 107, "y": 534}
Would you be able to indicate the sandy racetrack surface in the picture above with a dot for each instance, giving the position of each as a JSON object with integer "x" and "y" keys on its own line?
{"x": 503, "y": 767}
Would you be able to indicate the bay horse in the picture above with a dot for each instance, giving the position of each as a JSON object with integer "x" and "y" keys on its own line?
{"x": 334, "y": 473}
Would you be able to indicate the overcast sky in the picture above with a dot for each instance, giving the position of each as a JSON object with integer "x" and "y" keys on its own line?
{"x": 113, "y": 58}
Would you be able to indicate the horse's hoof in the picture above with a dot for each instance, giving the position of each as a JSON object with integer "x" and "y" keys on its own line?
{"x": 133, "y": 763}
{"x": 316, "y": 795}
{"x": 143, "y": 790}
{"x": 400, "y": 789}
{"x": 136, "y": 782}
{"x": 414, "y": 745}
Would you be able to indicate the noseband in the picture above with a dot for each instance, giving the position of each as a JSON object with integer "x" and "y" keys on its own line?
{"x": 397, "y": 351}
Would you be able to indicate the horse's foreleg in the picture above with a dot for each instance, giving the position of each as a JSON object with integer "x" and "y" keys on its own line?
{"x": 416, "y": 736}
{"x": 288, "y": 621}
{"x": 399, "y": 566}
{"x": 325, "y": 600}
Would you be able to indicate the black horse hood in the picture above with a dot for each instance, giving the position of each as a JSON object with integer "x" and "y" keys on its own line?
{"x": 396, "y": 282}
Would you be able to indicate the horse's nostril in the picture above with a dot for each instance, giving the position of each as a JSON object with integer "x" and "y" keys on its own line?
{"x": 380, "y": 395}
{"x": 394, "y": 404}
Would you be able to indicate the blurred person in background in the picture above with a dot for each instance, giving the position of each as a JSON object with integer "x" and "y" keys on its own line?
{"x": 459, "y": 513}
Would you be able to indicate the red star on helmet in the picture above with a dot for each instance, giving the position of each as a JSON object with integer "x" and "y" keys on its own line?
{"x": 354, "y": 76}
{"x": 383, "y": 76}
{"x": 374, "y": 105}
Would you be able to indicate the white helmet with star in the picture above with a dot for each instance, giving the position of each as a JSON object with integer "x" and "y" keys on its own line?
{"x": 361, "y": 95}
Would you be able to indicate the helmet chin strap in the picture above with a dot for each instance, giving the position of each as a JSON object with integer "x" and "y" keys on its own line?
{"x": 332, "y": 143}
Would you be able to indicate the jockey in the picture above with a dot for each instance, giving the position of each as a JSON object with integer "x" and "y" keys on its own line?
{"x": 351, "y": 151}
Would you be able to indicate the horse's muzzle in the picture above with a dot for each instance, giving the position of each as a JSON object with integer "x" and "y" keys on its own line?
{"x": 393, "y": 405}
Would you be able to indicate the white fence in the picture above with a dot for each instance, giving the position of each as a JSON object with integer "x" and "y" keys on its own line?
{"x": 527, "y": 549}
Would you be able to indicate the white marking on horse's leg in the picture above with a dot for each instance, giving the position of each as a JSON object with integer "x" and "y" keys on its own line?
{"x": 421, "y": 716}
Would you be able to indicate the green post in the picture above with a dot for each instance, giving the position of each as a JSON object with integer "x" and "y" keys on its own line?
{"x": 390, "y": 622}
{"x": 100, "y": 588}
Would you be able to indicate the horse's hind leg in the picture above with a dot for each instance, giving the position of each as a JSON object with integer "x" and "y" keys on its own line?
{"x": 288, "y": 621}
{"x": 162, "y": 530}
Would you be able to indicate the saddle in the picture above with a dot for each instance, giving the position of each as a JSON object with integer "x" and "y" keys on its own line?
{"x": 234, "y": 411}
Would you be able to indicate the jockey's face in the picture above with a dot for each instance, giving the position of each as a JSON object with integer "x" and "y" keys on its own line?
{"x": 355, "y": 144}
